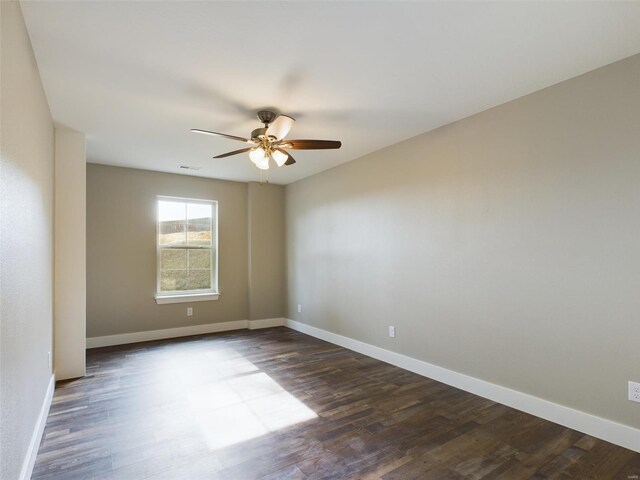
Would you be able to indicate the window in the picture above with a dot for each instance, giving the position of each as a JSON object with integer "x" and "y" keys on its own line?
{"x": 187, "y": 250}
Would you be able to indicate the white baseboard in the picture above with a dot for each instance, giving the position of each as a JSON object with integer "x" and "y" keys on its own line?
{"x": 135, "y": 337}
{"x": 608, "y": 430}
{"x": 602, "y": 428}
{"x": 34, "y": 444}
{"x": 267, "y": 323}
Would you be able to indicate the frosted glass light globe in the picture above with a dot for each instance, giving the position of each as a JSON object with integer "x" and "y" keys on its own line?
{"x": 257, "y": 155}
{"x": 279, "y": 157}
{"x": 263, "y": 164}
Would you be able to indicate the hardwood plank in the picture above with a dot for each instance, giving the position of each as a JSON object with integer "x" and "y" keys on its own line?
{"x": 276, "y": 404}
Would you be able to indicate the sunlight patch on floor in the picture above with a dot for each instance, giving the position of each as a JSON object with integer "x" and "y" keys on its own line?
{"x": 233, "y": 409}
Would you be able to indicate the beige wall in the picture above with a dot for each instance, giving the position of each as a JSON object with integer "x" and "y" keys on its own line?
{"x": 26, "y": 242}
{"x": 266, "y": 251}
{"x": 503, "y": 246}
{"x": 121, "y": 250}
{"x": 70, "y": 267}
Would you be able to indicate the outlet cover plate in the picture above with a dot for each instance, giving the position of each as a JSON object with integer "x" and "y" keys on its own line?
{"x": 634, "y": 391}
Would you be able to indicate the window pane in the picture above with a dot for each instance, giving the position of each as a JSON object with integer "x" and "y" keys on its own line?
{"x": 172, "y": 218}
{"x": 173, "y": 280}
{"x": 199, "y": 279}
{"x": 199, "y": 259}
{"x": 199, "y": 224}
{"x": 185, "y": 241}
{"x": 173, "y": 260}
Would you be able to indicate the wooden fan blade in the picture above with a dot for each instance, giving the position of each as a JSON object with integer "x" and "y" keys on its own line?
{"x": 290, "y": 160}
{"x": 280, "y": 127}
{"x": 235, "y": 152}
{"x": 311, "y": 144}
{"x": 231, "y": 137}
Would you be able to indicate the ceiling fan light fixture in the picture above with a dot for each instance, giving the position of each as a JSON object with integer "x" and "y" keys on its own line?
{"x": 257, "y": 155}
{"x": 263, "y": 164}
{"x": 279, "y": 157}
{"x": 268, "y": 142}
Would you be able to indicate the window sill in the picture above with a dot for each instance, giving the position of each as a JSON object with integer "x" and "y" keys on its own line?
{"x": 186, "y": 298}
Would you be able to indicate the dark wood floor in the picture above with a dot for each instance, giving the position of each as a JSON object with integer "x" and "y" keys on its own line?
{"x": 277, "y": 404}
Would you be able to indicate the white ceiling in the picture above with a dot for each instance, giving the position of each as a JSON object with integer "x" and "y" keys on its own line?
{"x": 136, "y": 76}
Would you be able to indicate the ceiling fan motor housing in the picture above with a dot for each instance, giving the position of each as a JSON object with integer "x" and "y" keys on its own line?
{"x": 266, "y": 117}
{"x": 259, "y": 132}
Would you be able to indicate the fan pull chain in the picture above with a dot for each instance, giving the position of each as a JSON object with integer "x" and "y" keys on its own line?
{"x": 264, "y": 176}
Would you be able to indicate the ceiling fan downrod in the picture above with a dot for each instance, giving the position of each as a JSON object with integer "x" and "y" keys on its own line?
{"x": 266, "y": 117}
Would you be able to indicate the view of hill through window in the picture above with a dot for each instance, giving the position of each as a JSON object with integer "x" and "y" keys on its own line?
{"x": 185, "y": 244}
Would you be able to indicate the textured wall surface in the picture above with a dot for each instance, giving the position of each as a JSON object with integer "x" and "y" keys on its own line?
{"x": 70, "y": 306}
{"x": 266, "y": 251}
{"x": 503, "y": 246}
{"x": 26, "y": 242}
{"x": 121, "y": 250}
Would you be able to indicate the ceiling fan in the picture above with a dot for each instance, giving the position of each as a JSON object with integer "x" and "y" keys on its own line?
{"x": 269, "y": 143}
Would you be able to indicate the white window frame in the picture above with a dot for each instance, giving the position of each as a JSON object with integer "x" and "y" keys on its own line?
{"x": 184, "y": 296}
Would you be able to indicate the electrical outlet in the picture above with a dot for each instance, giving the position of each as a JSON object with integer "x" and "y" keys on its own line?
{"x": 299, "y": 308}
{"x": 392, "y": 331}
{"x": 49, "y": 359}
{"x": 189, "y": 311}
{"x": 634, "y": 391}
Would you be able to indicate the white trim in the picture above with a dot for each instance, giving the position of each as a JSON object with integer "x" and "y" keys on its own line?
{"x": 602, "y": 428}
{"x": 267, "y": 323}
{"x": 213, "y": 272}
{"x": 186, "y": 298}
{"x": 608, "y": 430}
{"x": 135, "y": 337}
{"x": 34, "y": 444}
